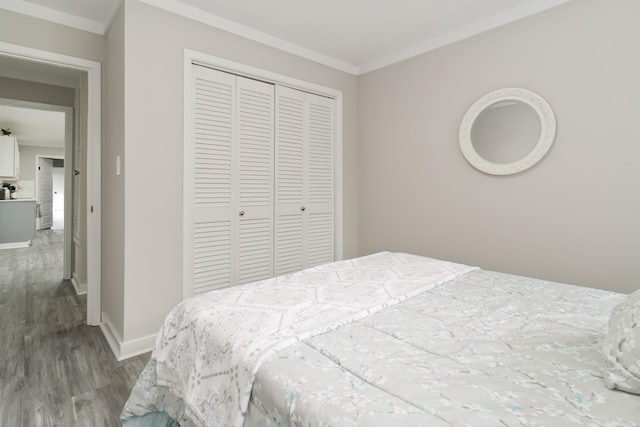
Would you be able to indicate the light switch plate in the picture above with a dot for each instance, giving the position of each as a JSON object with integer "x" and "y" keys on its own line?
{"x": 117, "y": 165}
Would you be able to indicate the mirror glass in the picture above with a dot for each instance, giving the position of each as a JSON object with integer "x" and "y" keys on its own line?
{"x": 507, "y": 131}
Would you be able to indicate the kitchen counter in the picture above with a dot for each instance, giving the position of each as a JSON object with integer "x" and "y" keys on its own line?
{"x": 17, "y": 223}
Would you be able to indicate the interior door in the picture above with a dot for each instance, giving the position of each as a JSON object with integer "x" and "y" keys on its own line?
{"x": 211, "y": 175}
{"x": 45, "y": 193}
{"x": 230, "y": 171}
{"x": 320, "y": 227}
{"x": 290, "y": 160}
{"x": 254, "y": 202}
{"x": 304, "y": 180}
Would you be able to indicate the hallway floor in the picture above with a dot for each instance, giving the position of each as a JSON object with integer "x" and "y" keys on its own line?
{"x": 54, "y": 369}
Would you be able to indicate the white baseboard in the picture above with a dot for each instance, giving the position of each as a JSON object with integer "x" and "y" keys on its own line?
{"x": 15, "y": 245}
{"x": 80, "y": 288}
{"x": 124, "y": 350}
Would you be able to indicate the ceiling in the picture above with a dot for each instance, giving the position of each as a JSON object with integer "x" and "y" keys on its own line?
{"x": 355, "y": 36}
{"x": 34, "y": 127}
{"x": 20, "y": 69}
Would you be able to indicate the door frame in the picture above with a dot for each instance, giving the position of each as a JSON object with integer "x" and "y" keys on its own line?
{"x": 37, "y": 187}
{"x": 68, "y": 206}
{"x": 93, "y": 167}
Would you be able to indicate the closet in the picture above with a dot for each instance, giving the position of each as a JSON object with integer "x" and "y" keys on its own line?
{"x": 260, "y": 164}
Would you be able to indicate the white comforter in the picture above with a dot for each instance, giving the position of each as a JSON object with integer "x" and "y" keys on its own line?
{"x": 410, "y": 341}
{"x": 211, "y": 346}
{"x": 484, "y": 349}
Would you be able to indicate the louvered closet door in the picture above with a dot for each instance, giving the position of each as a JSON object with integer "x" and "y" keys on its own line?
{"x": 304, "y": 177}
{"x": 77, "y": 168}
{"x": 232, "y": 204}
{"x": 213, "y": 207}
{"x": 290, "y": 180}
{"x": 320, "y": 180}
{"x": 255, "y": 136}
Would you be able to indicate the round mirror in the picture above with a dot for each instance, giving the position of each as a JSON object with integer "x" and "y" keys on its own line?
{"x": 507, "y": 131}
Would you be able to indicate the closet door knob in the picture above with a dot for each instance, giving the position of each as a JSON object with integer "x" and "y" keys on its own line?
{"x": 241, "y": 213}
{"x": 302, "y": 209}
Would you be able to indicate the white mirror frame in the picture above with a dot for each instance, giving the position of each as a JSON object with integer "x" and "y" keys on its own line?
{"x": 547, "y": 131}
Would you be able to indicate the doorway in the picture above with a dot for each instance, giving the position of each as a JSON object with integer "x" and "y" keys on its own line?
{"x": 50, "y": 194}
{"x": 57, "y": 198}
{"x": 92, "y": 121}
{"x": 44, "y": 130}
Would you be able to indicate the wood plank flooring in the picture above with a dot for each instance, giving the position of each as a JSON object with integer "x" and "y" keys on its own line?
{"x": 54, "y": 369}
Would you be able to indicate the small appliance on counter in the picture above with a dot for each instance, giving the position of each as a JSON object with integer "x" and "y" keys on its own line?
{"x": 8, "y": 191}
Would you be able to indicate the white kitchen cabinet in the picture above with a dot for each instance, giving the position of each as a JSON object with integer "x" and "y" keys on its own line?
{"x": 9, "y": 158}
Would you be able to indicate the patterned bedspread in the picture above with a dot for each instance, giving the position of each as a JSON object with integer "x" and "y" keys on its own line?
{"x": 472, "y": 348}
{"x": 485, "y": 349}
{"x": 211, "y": 346}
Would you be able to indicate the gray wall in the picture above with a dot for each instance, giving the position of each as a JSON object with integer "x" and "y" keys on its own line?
{"x": 112, "y": 185}
{"x": 572, "y": 218}
{"x": 36, "y": 33}
{"x": 28, "y": 154}
{"x": 36, "y": 92}
{"x": 154, "y": 46}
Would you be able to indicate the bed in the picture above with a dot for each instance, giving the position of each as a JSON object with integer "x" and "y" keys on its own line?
{"x": 395, "y": 339}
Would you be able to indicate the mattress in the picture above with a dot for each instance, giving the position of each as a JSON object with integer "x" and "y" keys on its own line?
{"x": 461, "y": 347}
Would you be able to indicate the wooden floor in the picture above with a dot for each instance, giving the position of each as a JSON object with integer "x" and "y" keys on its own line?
{"x": 54, "y": 369}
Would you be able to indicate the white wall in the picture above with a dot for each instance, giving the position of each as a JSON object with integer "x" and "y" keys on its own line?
{"x": 57, "y": 208}
{"x": 58, "y": 189}
{"x": 154, "y": 44}
{"x": 572, "y": 218}
{"x": 28, "y": 154}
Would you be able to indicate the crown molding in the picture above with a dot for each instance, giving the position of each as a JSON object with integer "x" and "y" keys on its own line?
{"x": 40, "y": 12}
{"x": 112, "y": 16}
{"x": 462, "y": 33}
{"x": 193, "y": 13}
{"x": 249, "y": 33}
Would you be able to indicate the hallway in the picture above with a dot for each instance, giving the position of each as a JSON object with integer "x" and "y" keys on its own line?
{"x": 54, "y": 369}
